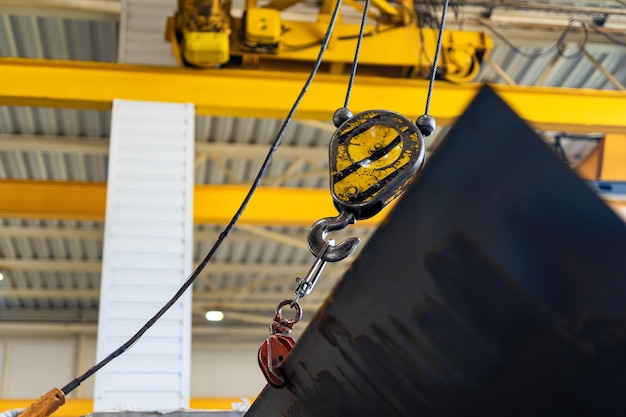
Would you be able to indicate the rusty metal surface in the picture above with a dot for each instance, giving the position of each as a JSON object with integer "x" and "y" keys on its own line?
{"x": 496, "y": 288}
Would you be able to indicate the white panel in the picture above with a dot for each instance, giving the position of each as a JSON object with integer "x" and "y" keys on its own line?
{"x": 121, "y": 328}
{"x": 37, "y": 365}
{"x": 216, "y": 372}
{"x": 86, "y": 359}
{"x": 146, "y": 257}
{"x": 142, "y": 32}
{"x": 226, "y": 373}
{"x": 143, "y": 229}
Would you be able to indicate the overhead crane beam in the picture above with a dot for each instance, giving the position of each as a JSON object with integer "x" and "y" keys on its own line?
{"x": 213, "y": 204}
{"x": 265, "y": 94}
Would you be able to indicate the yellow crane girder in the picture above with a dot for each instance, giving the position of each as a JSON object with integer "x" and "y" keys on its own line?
{"x": 213, "y": 204}
{"x": 270, "y": 94}
{"x": 404, "y": 51}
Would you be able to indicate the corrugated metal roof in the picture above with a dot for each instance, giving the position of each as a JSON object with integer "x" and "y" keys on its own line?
{"x": 58, "y": 38}
{"x": 570, "y": 69}
{"x": 49, "y": 121}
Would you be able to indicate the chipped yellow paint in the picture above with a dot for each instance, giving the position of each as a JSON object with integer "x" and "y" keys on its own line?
{"x": 354, "y": 151}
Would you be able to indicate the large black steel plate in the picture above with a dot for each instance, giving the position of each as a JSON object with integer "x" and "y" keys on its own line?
{"x": 497, "y": 287}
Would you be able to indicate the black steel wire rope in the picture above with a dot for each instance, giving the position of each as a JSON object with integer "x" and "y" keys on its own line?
{"x": 433, "y": 72}
{"x": 357, "y": 51}
{"x": 557, "y": 46}
{"x": 257, "y": 181}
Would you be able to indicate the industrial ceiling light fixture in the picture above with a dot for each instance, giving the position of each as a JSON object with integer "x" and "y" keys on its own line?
{"x": 214, "y": 315}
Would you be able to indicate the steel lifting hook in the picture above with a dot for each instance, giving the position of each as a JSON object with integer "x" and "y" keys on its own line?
{"x": 319, "y": 232}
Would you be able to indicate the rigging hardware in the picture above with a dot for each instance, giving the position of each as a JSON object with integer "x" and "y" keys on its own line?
{"x": 426, "y": 122}
{"x": 374, "y": 156}
{"x": 319, "y": 232}
{"x": 277, "y": 346}
{"x": 306, "y": 284}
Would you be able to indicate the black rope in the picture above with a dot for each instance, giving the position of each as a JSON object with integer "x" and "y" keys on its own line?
{"x": 433, "y": 72}
{"x": 257, "y": 181}
{"x": 558, "y": 46}
{"x": 357, "y": 51}
{"x": 612, "y": 39}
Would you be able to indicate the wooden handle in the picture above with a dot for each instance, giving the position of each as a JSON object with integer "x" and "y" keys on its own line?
{"x": 46, "y": 405}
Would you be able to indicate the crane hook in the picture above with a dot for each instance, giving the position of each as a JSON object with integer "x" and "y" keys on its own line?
{"x": 320, "y": 230}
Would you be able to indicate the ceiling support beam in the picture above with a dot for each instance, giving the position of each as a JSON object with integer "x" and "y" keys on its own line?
{"x": 275, "y": 270}
{"x": 241, "y": 233}
{"x": 267, "y": 234}
{"x": 213, "y": 204}
{"x": 247, "y": 93}
{"x": 203, "y": 298}
{"x": 100, "y": 146}
{"x": 43, "y": 328}
{"x": 41, "y": 232}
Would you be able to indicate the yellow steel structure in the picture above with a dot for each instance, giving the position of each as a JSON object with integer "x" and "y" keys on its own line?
{"x": 395, "y": 45}
{"x": 199, "y": 32}
{"x": 83, "y": 407}
{"x": 403, "y": 51}
{"x": 263, "y": 28}
{"x": 613, "y": 166}
{"x": 213, "y": 204}
{"x": 590, "y": 167}
{"x": 608, "y": 160}
{"x": 247, "y": 93}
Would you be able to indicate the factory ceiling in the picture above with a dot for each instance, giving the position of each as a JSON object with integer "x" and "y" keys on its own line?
{"x": 55, "y": 136}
